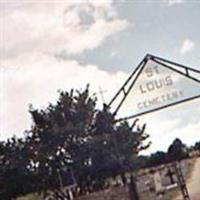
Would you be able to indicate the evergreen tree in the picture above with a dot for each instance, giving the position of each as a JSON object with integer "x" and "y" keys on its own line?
{"x": 177, "y": 150}
{"x": 69, "y": 142}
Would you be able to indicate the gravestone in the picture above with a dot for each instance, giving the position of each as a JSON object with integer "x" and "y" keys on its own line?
{"x": 158, "y": 182}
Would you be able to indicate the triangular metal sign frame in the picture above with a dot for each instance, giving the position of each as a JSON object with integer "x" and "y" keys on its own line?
{"x": 130, "y": 82}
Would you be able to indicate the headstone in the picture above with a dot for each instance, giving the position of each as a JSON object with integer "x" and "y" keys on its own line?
{"x": 158, "y": 182}
{"x": 170, "y": 174}
{"x": 71, "y": 196}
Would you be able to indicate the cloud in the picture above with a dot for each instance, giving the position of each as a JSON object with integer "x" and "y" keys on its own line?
{"x": 36, "y": 80}
{"x": 32, "y": 33}
{"x": 185, "y": 133}
{"x": 94, "y": 36}
{"x": 113, "y": 53}
{"x": 175, "y": 122}
{"x": 73, "y": 27}
{"x": 174, "y": 2}
{"x": 187, "y": 46}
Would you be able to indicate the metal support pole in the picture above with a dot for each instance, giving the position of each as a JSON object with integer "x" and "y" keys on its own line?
{"x": 133, "y": 189}
{"x": 181, "y": 181}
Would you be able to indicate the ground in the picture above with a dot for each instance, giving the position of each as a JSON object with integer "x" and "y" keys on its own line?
{"x": 193, "y": 183}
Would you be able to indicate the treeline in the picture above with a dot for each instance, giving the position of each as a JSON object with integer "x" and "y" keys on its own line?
{"x": 177, "y": 151}
{"x": 71, "y": 142}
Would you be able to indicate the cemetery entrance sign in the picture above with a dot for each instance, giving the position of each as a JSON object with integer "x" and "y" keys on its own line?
{"x": 155, "y": 84}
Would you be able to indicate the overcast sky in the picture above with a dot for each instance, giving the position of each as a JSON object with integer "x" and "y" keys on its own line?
{"x": 57, "y": 44}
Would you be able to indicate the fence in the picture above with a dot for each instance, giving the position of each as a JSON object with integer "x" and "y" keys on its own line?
{"x": 149, "y": 184}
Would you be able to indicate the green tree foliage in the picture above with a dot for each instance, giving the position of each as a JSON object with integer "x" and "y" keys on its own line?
{"x": 157, "y": 158}
{"x": 177, "y": 150}
{"x": 15, "y": 176}
{"x": 197, "y": 146}
{"x": 69, "y": 142}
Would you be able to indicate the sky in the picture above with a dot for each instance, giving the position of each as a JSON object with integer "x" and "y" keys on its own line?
{"x": 46, "y": 46}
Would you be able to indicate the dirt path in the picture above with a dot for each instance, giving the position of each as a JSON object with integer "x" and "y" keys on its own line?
{"x": 193, "y": 183}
